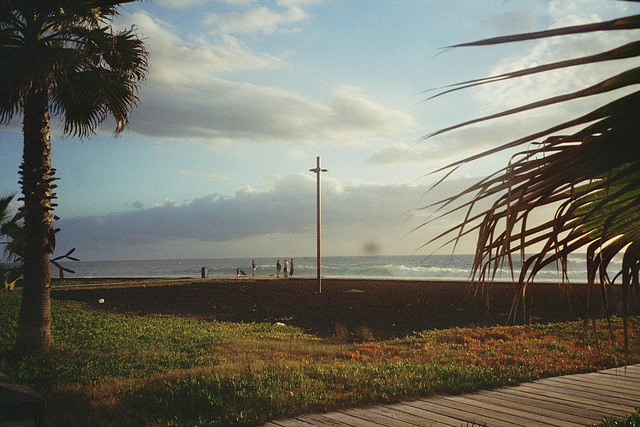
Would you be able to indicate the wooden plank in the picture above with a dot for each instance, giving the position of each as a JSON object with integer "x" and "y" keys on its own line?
{"x": 569, "y": 397}
{"x": 395, "y": 412}
{"x": 589, "y": 392}
{"x": 612, "y": 376}
{"x": 290, "y": 422}
{"x": 621, "y": 373}
{"x": 457, "y": 415}
{"x": 619, "y": 380}
{"x": 569, "y": 403}
{"x": 615, "y": 382}
{"x": 416, "y": 408}
{"x": 633, "y": 369}
{"x": 540, "y": 409}
{"x": 463, "y": 412}
{"x": 628, "y": 368}
{"x": 599, "y": 398}
{"x": 599, "y": 388}
{"x": 512, "y": 415}
{"x": 623, "y": 381}
{"x": 367, "y": 415}
{"x": 324, "y": 420}
{"x": 350, "y": 420}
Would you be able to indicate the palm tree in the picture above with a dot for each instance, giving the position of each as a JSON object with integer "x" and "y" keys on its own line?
{"x": 60, "y": 56}
{"x": 591, "y": 177}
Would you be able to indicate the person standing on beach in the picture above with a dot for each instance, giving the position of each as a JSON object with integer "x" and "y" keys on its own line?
{"x": 253, "y": 267}
{"x": 286, "y": 268}
{"x": 278, "y": 268}
{"x": 291, "y": 268}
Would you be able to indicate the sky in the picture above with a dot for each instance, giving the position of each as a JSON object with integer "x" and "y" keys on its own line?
{"x": 243, "y": 95}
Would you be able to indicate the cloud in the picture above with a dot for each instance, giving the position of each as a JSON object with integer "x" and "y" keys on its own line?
{"x": 354, "y": 215}
{"x": 441, "y": 150}
{"x": 351, "y": 111}
{"x": 185, "y": 97}
{"x": 256, "y": 20}
{"x": 528, "y": 89}
{"x": 402, "y": 153}
{"x": 172, "y": 59}
{"x": 221, "y": 111}
{"x": 178, "y": 4}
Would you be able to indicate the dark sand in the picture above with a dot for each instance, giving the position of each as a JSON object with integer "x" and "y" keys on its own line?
{"x": 386, "y": 308}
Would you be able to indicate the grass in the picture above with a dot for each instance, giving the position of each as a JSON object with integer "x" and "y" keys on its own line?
{"x": 120, "y": 370}
{"x": 632, "y": 420}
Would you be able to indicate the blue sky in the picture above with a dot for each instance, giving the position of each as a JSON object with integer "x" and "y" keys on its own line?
{"x": 243, "y": 95}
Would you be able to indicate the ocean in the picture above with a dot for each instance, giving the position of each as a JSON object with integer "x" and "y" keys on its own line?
{"x": 435, "y": 267}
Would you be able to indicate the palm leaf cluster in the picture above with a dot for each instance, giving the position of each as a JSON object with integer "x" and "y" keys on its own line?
{"x": 10, "y": 226}
{"x": 12, "y": 238}
{"x": 68, "y": 48}
{"x": 590, "y": 177}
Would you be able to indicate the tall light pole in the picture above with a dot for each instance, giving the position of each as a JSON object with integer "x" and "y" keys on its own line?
{"x": 318, "y": 170}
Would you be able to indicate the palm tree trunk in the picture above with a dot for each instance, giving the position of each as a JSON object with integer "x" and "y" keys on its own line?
{"x": 34, "y": 324}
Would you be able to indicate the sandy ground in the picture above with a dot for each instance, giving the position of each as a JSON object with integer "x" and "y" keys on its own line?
{"x": 383, "y": 308}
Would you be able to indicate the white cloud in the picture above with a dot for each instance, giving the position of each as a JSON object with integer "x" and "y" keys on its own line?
{"x": 563, "y": 12}
{"x": 172, "y": 59}
{"x": 402, "y": 153}
{"x": 352, "y": 111}
{"x": 256, "y": 20}
{"x": 178, "y": 4}
{"x": 221, "y": 111}
{"x": 290, "y": 3}
{"x": 452, "y": 146}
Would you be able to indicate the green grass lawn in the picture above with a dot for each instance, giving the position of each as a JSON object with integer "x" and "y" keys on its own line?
{"x": 111, "y": 369}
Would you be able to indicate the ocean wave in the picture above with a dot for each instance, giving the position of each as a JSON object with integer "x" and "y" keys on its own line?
{"x": 411, "y": 267}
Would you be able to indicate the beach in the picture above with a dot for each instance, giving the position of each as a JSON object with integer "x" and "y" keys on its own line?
{"x": 351, "y": 308}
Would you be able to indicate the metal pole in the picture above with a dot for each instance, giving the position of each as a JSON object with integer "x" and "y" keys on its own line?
{"x": 318, "y": 213}
{"x": 318, "y": 170}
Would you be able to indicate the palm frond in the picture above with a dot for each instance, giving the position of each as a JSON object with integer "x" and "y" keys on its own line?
{"x": 92, "y": 73}
{"x": 629, "y": 50}
{"x": 591, "y": 178}
{"x": 626, "y": 23}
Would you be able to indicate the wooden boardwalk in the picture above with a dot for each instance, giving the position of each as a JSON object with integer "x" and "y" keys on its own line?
{"x": 572, "y": 400}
